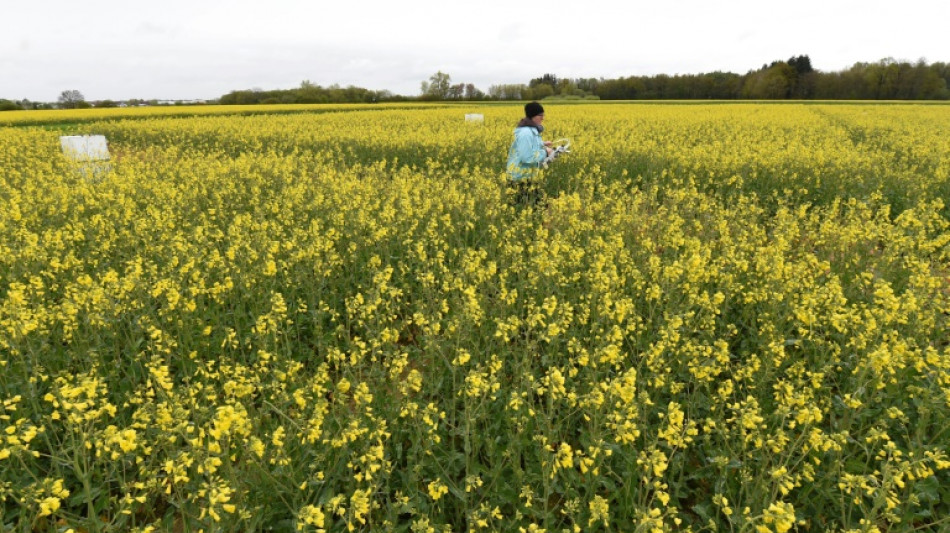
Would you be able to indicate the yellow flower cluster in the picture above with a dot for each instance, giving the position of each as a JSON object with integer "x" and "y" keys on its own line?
{"x": 717, "y": 317}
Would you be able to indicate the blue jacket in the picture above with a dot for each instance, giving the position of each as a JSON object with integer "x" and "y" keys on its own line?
{"x": 526, "y": 153}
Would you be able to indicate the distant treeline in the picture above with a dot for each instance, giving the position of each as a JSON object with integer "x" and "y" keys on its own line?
{"x": 309, "y": 93}
{"x": 795, "y": 78}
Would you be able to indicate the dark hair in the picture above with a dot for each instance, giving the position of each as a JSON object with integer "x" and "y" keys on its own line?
{"x": 533, "y": 109}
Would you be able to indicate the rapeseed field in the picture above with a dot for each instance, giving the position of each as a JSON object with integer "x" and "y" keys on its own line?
{"x": 718, "y": 317}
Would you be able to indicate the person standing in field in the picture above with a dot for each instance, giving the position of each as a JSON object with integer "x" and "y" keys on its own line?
{"x": 527, "y": 152}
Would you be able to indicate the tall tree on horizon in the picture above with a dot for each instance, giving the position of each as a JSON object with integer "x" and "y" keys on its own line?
{"x": 438, "y": 86}
{"x": 71, "y": 99}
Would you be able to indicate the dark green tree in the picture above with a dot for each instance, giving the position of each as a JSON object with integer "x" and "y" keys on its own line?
{"x": 801, "y": 64}
{"x": 771, "y": 83}
{"x": 548, "y": 79}
{"x": 9, "y": 105}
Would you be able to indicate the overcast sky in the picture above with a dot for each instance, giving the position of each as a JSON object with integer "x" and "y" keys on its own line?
{"x": 202, "y": 49}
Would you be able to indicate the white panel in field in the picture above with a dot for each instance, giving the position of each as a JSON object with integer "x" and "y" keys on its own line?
{"x": 474, "y": 117}
{"x": 85, "y": 147}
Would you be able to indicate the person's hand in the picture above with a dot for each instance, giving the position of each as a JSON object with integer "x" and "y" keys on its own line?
{"x": 548, "y": 143}
{"x": 548, "y": 149}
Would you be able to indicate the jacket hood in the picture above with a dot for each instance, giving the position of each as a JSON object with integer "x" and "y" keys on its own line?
{"x": 528, "y": 123}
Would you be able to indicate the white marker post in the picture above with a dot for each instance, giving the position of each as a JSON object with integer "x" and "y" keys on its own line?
{"x": 91, "y": 152}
